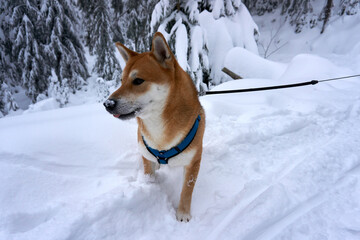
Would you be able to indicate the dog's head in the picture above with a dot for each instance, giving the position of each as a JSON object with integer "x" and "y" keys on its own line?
{"x": 146, "y": 81}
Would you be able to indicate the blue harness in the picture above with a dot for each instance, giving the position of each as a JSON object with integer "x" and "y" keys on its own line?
{"x": 163, "y": 156}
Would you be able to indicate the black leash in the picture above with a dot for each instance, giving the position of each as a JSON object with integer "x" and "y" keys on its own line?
{"x": 312, "y": 82}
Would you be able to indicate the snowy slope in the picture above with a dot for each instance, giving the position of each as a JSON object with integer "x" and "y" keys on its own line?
{"x": 281, "y": 164}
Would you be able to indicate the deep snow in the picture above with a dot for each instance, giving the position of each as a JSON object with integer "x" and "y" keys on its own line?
{"x": 281, "y": 164}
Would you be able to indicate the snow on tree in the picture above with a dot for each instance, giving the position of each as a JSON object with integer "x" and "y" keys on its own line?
{"x": 106, "y": 65}
{"x": 62, "y": 45}
{"x": 228, "y": 24}
{"x": 7, "y": 102}
{"x": 102, "y": 89}
{"x": 26, "y": 49}
{"x": 59, "y": 90}
{"x": 349, "y": 7}
{"x": 326, "y": 14}
{"x": 131, "y": 23}
{"x": 302, "y": 13}
{"x": 185, "y": 37}
{"x": 138, "y": 30}
{"x": 8, "y": 71}
{"x": 222, "y": 8}
{"x": 99, "y": 38}
{"x": 260, "y": 7}
{"x": 298, "y": 12}
{"x": 117, "y": 12}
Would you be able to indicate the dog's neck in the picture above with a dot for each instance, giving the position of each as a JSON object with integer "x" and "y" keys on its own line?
{"x": 168, "y": 125}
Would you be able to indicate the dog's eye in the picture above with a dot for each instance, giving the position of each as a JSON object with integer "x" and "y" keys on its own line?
{"x": 138, "y": 81}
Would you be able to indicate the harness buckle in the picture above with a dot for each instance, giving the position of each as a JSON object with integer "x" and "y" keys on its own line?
{"x": 162, "y": 160}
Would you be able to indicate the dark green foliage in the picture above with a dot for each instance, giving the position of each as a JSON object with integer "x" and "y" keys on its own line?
{"x": 61, "y": 43}
{"x": 41, "y": 36}
{"x": 27, "y": 53}
{"x": 133, "y": 24}
{"x": 99, "y": 39}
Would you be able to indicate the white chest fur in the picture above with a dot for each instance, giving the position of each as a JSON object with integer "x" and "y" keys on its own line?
{"x": 155, "y": 127}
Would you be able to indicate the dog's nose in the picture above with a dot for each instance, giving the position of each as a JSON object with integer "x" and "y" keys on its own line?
{"x": 110, "y": 104}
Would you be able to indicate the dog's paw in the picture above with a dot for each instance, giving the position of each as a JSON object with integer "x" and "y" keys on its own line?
{"x": 182, "y": 216}
{"x": 147, "y": 178}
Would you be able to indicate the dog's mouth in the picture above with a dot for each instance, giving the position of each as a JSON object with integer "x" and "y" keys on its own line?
{"x": 127, "y": 115}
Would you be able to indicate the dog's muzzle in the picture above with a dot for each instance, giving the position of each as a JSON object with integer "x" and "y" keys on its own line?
{"x": 120, "y": 109}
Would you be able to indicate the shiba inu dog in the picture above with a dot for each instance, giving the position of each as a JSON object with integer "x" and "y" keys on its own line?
{"x": 171, "y": 122}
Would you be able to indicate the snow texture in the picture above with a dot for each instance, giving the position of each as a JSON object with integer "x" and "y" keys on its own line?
{"x": 281, "y": 164}
{"x": 223, "y": 34}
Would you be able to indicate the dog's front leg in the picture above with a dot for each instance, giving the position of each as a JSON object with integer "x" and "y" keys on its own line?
{"x": 149, "y": 167}
{"x": 190, "y": 174}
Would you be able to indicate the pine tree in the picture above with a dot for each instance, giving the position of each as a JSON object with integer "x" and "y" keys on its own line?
{"x": 326, "y": 14}
{"x": 185, "y": 37}
{"x": 117, "y": 8}
{"x": 8, "y": 71}
{"x": 222, "y": 8}
{"x": 7, "y": 102}
{"x": 26, "y": 51}
{"x": 349, "y": 7}
{"x": 87, "y": 8}
{"x": 300, "y": 13}
{"x": 131, "y": 23}
{"x": 58, "y": 90}
{"x": 106, "y": 65}
{"x": 138, "y": 28}
{"x": 61, "y": 44}
{"x": 260, "y": 7}
{"x": 99, "y": 38}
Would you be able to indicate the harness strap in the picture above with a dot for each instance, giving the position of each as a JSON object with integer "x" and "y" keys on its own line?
{"x": 163, "y": 156}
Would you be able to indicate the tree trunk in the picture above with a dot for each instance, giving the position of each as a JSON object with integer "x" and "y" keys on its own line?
{"x": 231, "y": 73}
{"x": 327, "y": 12}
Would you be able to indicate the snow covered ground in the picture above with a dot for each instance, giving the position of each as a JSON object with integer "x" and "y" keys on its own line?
{"x": 281, "y": 164}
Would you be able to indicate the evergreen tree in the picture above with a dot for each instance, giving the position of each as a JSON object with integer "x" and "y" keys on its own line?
{"x": 58, "y": 90}
{"x": 222, "y": 8}
{"x": 61, "y": 44}
{"x": 117, "y": 9}
{"x": 326, "y": 14}
{"x": 99, "y": 39}
{"x": 349, "y": 7}
{"x": 106, "y": 65}
{"x": 131, "y": 23}
{"x": 87, "y": 9}
{"x": 178, "y": 21}
{"x": 7, "y": 68}
{"x": 7, "y": 102}
{"x": 301, "y": 13}
{"x": 26, "y": 51}
{"x": 260, "y": 7}
{"x": 138, "y": 15}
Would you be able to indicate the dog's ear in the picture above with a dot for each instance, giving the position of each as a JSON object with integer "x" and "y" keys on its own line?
{"x": 125, "y": 52}
{"x": 160, "y": 48}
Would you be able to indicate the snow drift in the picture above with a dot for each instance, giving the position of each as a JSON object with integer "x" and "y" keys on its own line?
{"x": 282, "y": 164}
